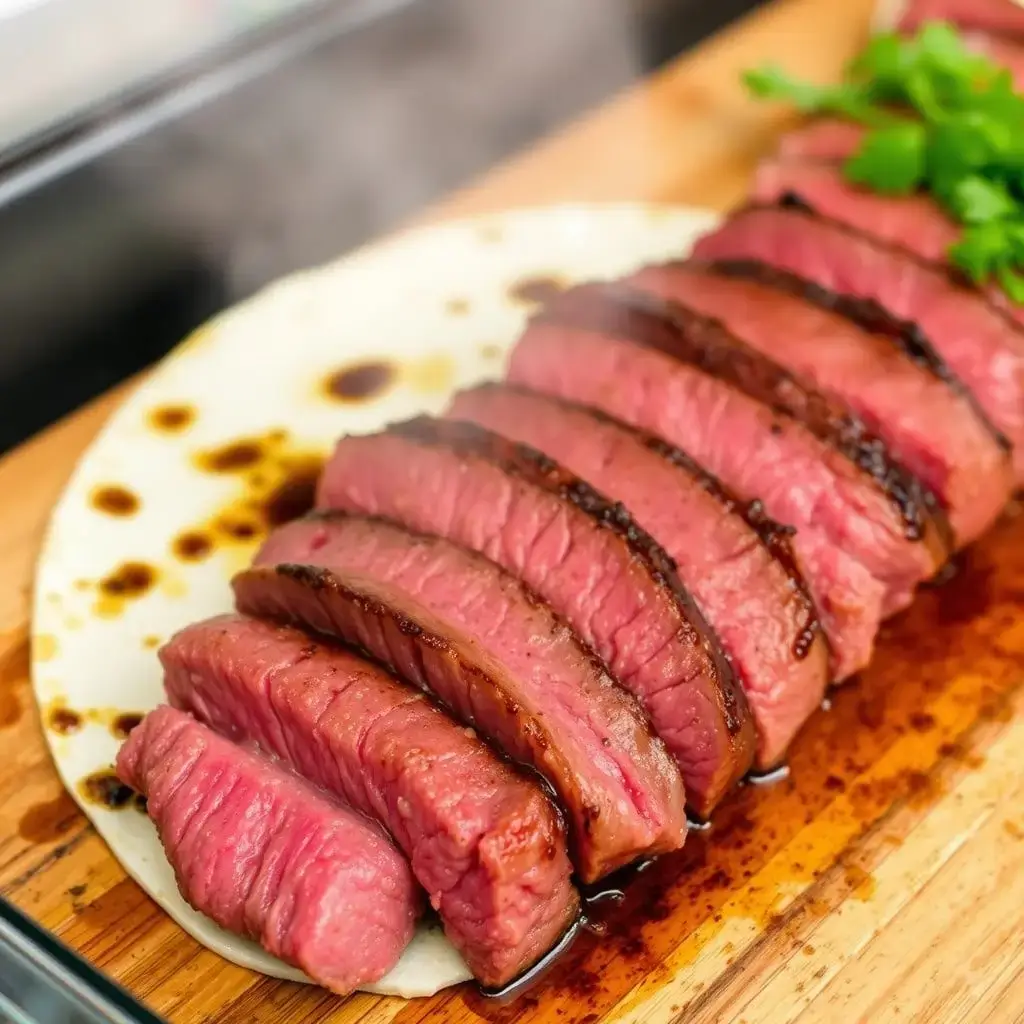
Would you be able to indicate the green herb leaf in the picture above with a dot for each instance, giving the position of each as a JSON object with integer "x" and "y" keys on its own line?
{"x": 981, "y": 251}
{"x": 978, "y": 200}
{"x": 891, "y": 160}
{"x": 942, "y": 119}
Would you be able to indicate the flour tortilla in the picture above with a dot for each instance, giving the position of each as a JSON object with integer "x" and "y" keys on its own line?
{"x": 436, "y": 304}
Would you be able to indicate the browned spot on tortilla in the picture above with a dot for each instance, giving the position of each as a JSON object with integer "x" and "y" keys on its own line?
{"x": 535, "y": 291}
{"x": 140, "y": 803}
{"x": 232, "y": 457}
{"x": 457, "y": 307}
{"x": 172, "y": 419}
{"x": 128, "y": 582}
{"x": 105, "y": 789}
{"x": 83, "y": 584}
{"x": 490, "y": 351}
{"x": 360, "y": 382}
{"x": 277, "y": 436}
{"x": 151, "y": 641}
{"x": 296, "y": 494}
{"x": 490, "y": 233}
{"x": 63, "y": 720}
{"x": 44, "y": 647}
{"x": 47, "y": 822}
{"x": 430, "y": 375}
{"x": 192, "y": 546}
{"x": 123, "y": 724}
{"x": 114, "y": 500}
{"x": 237, "y": 529}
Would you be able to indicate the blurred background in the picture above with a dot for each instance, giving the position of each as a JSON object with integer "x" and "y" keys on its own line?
{"x": 161, "y": 159}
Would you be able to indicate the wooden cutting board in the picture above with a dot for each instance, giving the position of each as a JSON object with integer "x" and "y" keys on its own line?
{"x": 883, "y": 880}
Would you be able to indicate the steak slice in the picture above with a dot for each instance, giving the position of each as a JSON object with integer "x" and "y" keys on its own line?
{"x": 484, "y": 842}
{"x": 500, "y": 659}
{"x": 1003, "y": 17}
{"x": 735, "y": 561}
{"x": 983, "y": 346}
{"x": 917, "y": 223}
{"x": 578, "y": 551}
{"x": 267, "y": 856}
{"x": 754, "y": 426}
{"x": 892, "y": 379}
{"x": 824, "y": 138}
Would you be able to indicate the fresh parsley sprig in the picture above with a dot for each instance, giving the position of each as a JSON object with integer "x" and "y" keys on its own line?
{"x": 942, "y": 119}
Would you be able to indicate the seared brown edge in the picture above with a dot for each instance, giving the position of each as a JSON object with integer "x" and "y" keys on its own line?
{"x": 906, "y": 335}
{"x": 317, "y": 579}
{"x": 520, "y": 460}
{"x": 773, "y": 536}
{"x": 708, "y": 345}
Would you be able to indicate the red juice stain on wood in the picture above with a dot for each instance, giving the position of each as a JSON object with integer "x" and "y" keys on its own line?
{"x": 47, "y": 822}
{"x": 946, "y": 666}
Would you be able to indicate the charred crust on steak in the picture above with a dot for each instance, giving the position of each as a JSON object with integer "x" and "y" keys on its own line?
{"x": 707, "y": 345}
{"x": 523, "y": 462}
{"x": 867, "y": 314}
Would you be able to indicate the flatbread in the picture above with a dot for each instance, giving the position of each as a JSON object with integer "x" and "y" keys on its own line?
{"x": 154, "y": 520}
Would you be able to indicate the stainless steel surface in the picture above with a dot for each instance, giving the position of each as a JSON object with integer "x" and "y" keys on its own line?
{"x": 60, "y": 57}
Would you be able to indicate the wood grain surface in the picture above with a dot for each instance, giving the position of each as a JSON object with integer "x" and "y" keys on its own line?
{"x": 882, "y": 881}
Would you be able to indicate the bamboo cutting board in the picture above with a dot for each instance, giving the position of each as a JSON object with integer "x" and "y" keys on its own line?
{"x": 883, "y": 881}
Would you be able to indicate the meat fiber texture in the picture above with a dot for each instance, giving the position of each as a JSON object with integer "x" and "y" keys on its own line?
{"x": 930, "y": 424}
{"x": 513, "y": 671}
{"x": 741, "y": 574}
{"x": 1003, "y": 17}
{"x": 579, "y": 552}
{"x": 483, "y": 841}
{"x": 984, "y": 347}
{"x": 915, "y": 223}
{"x": 685, "y": 379}
{"x": 269, "y": 857}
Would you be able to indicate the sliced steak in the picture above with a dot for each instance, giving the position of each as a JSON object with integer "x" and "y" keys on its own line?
{"x": 483, "y": 841}
{"x": 984, "y": 347}
{"x": 578, "y": 551}
{"x": 735, "y": 561}
{"x": 509, "y": 668}
{"x": 893, "y": 380}
{"x": 1005, "y": 17}
{"x": 825, "y": 138}
{"x": 864, "y": 534}
{"x": 269, "y": 857}
{"x": 917, "y": 223}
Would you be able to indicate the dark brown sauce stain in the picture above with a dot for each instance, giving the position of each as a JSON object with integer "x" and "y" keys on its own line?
{"x": 172, "y": 419}
{"x": 64, "y": 721}
{"x": 123, "y": 724}
{"x": 535, "y": 291}
{"x": 14, "y": 672}
{"x": 948, "y": 664}
{"x": 105, "y": 789}
{"x": 47, "y": 822}
{"x": 192, "y": 546}
{"x": 361, "y": 382}
{"x": 114, "y": 500}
